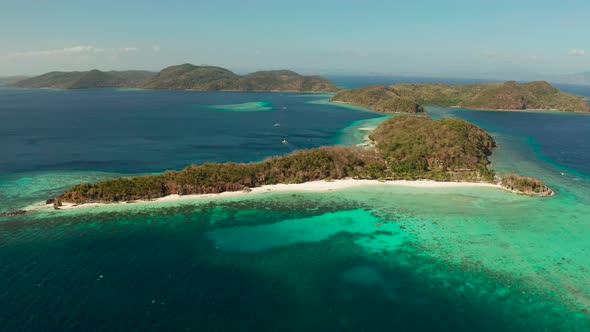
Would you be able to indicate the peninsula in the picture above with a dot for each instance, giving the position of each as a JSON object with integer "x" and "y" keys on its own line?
{"x": 182, "y": 77}
{"x": 380, "y": 99}
{"x": 491, "y": 96}
{"x": 406, "y": 148}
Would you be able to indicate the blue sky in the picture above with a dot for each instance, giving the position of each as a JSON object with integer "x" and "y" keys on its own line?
{"x": 417, "y": 36}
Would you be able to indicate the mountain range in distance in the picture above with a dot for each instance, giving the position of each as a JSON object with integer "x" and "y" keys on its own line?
{"x": 180, "y": 77}
{"x": 582, "y": 78}
{"x": 510, "y": 95}
{"x": 220, "y": 78}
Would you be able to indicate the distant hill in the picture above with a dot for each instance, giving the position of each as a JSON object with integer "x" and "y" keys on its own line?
{"x": 285, "y": 80}
{"x": 182, "y": 77}
{"x": 493, "y": 96}
{"x": 191, "y": 77}
{"x": 379, "y": 98}
{"x": 533, "y": 96}
{"x": 85, "y": 79}
{"x": 209, "y": 78}
{"x": 8, "y": 80}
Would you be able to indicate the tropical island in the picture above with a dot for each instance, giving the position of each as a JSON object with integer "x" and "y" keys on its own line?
{"x": 410, "y": 98}
{"x": 181, "y": 77}
{"x": 405, "y": 148}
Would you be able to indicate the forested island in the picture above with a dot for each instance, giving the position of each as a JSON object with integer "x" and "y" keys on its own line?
{"x": 406, "y": 148}
{"x": 181, "y": 77}
{"x": 410, "y": 98}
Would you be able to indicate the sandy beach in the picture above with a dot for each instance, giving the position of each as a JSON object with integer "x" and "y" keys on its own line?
{"x": 313, "y": 186}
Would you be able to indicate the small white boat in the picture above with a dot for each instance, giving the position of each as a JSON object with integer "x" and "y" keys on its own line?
{"x": 285, "y": 141}
{"x": 277, "y": 124}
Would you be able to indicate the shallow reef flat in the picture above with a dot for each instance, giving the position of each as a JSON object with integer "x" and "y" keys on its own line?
{"x": 255, "y": 106}
{"x": 456, "y": 254}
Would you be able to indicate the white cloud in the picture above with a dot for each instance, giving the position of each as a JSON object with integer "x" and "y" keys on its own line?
{"x": 72, "y": 51}
{"x": 577, "y": 52}
{"x": 156, "y": 48}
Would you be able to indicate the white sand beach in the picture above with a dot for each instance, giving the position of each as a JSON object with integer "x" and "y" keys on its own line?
{"x": 313, "y": 186}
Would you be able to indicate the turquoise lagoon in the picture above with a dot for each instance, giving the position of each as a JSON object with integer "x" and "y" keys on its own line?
{"x": 256, "y": 106}
{"x": 371, "y": 258}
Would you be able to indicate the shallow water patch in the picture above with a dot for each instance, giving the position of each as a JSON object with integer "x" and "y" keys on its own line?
{"x": 255, "y": 106}
{"x": 311, "y": 229}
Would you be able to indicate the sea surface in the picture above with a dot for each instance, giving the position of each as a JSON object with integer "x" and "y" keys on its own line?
{"x": 363, "y": 259}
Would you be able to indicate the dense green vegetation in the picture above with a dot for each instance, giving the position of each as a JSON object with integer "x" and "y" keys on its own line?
{"x": 445, "y": 149}
{"x": 182, "y": 77}
{"x": 378, "y": 98}
{"x": 406, "y": 148}
{"x": 494, "y": 96}
{"x": 297, "y": 167}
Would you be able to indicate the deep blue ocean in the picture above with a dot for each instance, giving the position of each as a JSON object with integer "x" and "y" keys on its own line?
{"x": 149, "y": 131}
{"x": 281, "y": 262}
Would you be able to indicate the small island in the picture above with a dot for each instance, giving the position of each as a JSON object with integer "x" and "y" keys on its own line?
{"x": 181, "y": 77}
{"x": 410, "y": 98}
{"x": 405, "y": 148}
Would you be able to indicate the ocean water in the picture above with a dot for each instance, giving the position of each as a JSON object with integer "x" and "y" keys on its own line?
{"x": 363, "y": 259}
{"x": 148, "y": 131}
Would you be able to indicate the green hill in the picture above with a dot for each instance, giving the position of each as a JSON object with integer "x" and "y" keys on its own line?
{"x": 533, "y": 96}
{"x": 437, "y": 94}
{"x": 284, "y": 80}
{"x": 52, "y": 80}
{"x": 182, "y": 77}
{"x": 378, "y": 98}
{"x": 414, "y": 145}
{"x": 191, "y": 77}
{"x": 84, "y": 79}
{"x": 492, "y": 96}
{"x": 209, "y": 78}
{"x": 97, "y": 79}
